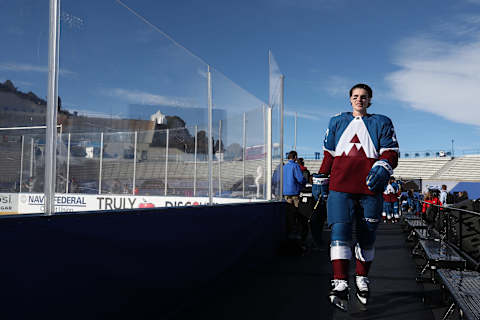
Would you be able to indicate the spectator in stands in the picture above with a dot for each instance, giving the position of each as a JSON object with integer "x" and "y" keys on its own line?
{"x": 126, "y": 189}
{"x": 304, "y": 169}
{"x": 390, "y": 202}
{"x": 430, "y": 212}
{"x": 293, "y": 181}
{"x": 443, "y": 194}
{"x": 404, "y": 202}
{"x": 73, "y": 188}
{"x": 412, "y": 201}
{"x": 116, "y": 187}
{"x": 29, "y": 185}
{"x": 461, "y": 196}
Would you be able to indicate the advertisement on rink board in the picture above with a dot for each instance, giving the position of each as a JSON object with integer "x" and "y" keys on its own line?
{"x": 13, "y": 203}
{"x": 8, "y": 203}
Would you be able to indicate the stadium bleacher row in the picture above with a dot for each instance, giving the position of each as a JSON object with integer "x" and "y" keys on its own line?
{"x": 465, "y": 168}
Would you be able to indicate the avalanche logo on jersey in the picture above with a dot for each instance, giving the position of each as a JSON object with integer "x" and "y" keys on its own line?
{"x": 356, "y": 141}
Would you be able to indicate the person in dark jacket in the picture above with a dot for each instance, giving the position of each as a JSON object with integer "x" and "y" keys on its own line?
{"x": 293, "y": 182}
{"x": 305, "y": 171}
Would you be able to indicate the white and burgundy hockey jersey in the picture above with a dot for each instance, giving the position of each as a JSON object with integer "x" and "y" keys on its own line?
{"x": 391, "y": 193}
{"x": 351, "y": 147}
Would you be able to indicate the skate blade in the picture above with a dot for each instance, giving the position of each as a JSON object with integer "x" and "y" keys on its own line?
{"x": 339, "y": 303}
{"x": 362, "y": 300}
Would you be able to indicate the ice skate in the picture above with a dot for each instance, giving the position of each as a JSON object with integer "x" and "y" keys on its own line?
{"x": 363, "y": 292}
{"x": 338, "y": 296}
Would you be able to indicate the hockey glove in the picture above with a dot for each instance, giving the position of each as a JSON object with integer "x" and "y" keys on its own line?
{"x": 377, "y": 178}
{"x": 320, "y": 185}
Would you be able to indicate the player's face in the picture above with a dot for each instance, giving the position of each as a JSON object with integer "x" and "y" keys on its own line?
{"x": 360, "y": 101}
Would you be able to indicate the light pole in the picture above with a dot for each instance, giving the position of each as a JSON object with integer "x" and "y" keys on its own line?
{"x": 452, "y": 148}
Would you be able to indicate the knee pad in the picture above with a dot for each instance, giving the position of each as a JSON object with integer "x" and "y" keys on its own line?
{"x": 341, "y": 232}
{"x": 341, "y": 240}
{"x": 367, "y": 233}
{"x": 364, "y": 254}
{"x": 371, "y": 224}
{"x": 340, "y": 250}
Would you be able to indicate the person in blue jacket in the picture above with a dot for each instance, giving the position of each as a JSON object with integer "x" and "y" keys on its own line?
{"x": 293, "y": 182}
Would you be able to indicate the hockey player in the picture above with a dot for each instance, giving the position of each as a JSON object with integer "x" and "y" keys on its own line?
{"x": 390, "y": 202}
{"x": 360, "y": 152}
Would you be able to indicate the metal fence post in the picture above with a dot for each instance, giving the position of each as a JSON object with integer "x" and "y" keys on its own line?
{"x": 210, "y": 137}
{"x": 134, "y": 162}
{"x": 282, "y": 85}
{"x": 52, "y": 100}
{"x": 166, "y": 161}
{"x": 101, "y": 164}
{"x": 21, "y": 165}
{"x": 244, "y": 152}
{"x": 32, "y": 150}
{"x": 195, "y": 163}
{"x": 295, "y": 134}
{"x": 268, "y": 177}
{"x": 68, "y": 161}
{"x": 219, "y": 158}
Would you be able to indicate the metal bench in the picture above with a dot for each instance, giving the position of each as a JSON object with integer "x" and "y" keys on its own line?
{"x": 414, "y": 226}
{"x": 439, "y": 254}
{"x": 417, "y": 224}
{"x": 411, "y": 216}
{"x": 422, "y": 234}
{"x": 464, "y": 288}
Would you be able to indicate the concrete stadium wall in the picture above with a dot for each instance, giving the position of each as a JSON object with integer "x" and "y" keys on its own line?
{"x": 91, "y": 265}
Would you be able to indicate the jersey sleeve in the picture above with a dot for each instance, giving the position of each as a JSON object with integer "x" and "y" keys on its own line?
{"x": 389, "y": 144}
{"x": 328, "y": 148}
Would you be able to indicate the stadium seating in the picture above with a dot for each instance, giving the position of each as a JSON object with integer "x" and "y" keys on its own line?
{"x": 466, "y": 168}
{"x": 181, "y": 167}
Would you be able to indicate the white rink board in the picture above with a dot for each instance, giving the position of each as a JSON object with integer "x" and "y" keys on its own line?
{"x": 13, "y": 203}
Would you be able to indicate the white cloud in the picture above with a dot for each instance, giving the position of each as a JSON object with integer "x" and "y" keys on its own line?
{"x": 337, "y": 86}
{"x": 303, "y": 115}
{"x": 439, "y": 76}
{"x": 67, "y": 19}
{"x": 22, "y": 67}
{"x": 202, "y": 73}
{"x": 15, "y": 30}
{"x": 145, "y": 98}
{"x": 93, "y": 114}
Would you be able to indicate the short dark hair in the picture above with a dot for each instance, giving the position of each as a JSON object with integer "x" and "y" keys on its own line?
{"x": 362, "y": 86}
{"x": 365, "y": 87}
{"x": 292, "y": 155}
{"x": 444, "y": 187}
{"x": 300, "y": 161}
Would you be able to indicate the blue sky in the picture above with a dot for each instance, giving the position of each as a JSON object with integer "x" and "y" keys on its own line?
{"x": 422, "y": 59}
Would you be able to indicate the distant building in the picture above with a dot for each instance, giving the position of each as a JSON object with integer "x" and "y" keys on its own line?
{"x": 158, "y": 118}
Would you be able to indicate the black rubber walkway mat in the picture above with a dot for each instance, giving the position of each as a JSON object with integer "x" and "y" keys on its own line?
{"x": 296, "y": 287}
